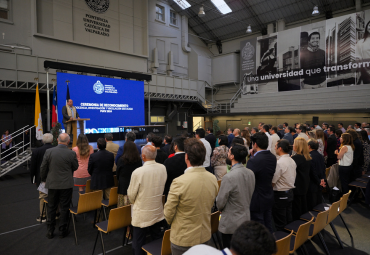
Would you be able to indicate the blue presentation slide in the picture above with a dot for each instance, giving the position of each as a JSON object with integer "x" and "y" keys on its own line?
{"x": 107, "y": 102}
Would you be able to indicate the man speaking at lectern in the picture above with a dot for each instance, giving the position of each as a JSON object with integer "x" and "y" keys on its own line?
{"x": 69, "y": 113}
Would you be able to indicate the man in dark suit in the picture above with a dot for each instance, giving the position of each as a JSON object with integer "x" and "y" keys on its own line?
{"x": 161, "y": 155}
{"x": 167, "y": 144}
{"x": 130, "y": 136}
{"x": 176, "y": 165}
{"x": 36, "y": 160}
{"x": 211, "y": 138}
{"x": 317, "y": 175}
{"x": 69, "y": 113}
{"x": 100, "y": 168}
{"x": 57, "y": 169}
{"x": 331, "y": 147}
{"x": 230, "y": 136}
{"x": 263, "y": 164}
{"x": 280, "y": 131}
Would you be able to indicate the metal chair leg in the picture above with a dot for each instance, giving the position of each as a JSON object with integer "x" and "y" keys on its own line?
{"x": 96, "y": 240}
{"x": 336, "y": 235}
{"x": 74, "y": 228}
{"x": 345, "y": 225}
{"x": 323, "y": 243}
{"x": 102, "y": 242}
{"x": 105, "y": 214}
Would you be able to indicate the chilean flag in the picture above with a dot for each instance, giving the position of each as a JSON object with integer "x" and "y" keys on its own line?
{"x": 54, "y": 118}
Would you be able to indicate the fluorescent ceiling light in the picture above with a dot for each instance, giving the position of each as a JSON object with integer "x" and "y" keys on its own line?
{"x": 221, "y": 6}
{"x": 183, "y": 4}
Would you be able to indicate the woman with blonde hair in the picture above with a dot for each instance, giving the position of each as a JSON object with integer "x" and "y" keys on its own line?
{"x": 83, "y": 151}
{"x": 320, "y": 137}
{"x": 345, "y": 157}
{"x": 302, "y": 159}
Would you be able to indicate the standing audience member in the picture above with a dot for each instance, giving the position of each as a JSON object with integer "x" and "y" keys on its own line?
{"x": 274, "y": 139}
{"x": 320, "y": 137}
{"x": 161, "y": 155}
{"x": 250, "y": 238}
{"x": 260, "y": 126}
{"x": 83, "y": 151}
{"x": 236, "y": 132}
{"x": 366, "y": 147}
{"x": 230, "y": 136}
{"x": 145, "y": 193}
{"x": 210, "y": 137}
{"x": 100, "y": 168}
{"x": 190, "y": 200}
{"x": 266, "y": 129}
{"x": 247, "y": 138}
{"x": 340, "y": 126}
{"x": 254, "y": 131}
{"x": 130, "y": 136}
{"x": 285, "y": 125}
{"x": 200, "y": 134}
{"x": 358, "y": 155}
{"x": 167, "y": 144}
{"x": 149, "y": 140}
{"x": 218, "y": 160}
{"x": 6, "y": 140}
{"x": 263, "y": 164}
{"x": 332, "y": 146}
{"x": 367, "y": 129}
{"x": 317, "y": 175}
{"x": 235, "y": 194}
{"x": 302, "y": 159}
{"x": 36, "y": 160}
{"x": 127, "y": 164}
{"x": 280, "y": 131}
{"x": 302, "y": 129}
{"x": 358, "y": 127}
{"x": 176, "y": 165}
{"x": 111, "y": 147}
{"x": 283, "y": 185}
{"x": 57, "y": 169}
{"x": 289, "y": 131}
{"x": 345, "y": 156}
{"x": 338, "y": 134}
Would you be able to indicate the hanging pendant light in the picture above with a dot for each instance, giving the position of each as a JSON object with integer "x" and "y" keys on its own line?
{"x": 249, "y": 29}
{"x": 201, "y": 13}
{"x": 315, "y": 11}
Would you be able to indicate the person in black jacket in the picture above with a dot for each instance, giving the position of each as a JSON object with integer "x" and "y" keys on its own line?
{"x": 127, "y": 163}
{"x": 358, "y": 155}
{"x": 317, "y": 175}
{"x": 211, "y": 138}
{"x": 100, "y": 168}
{"x": 176, "y": 165}
{"x": 36, "y": 160}
{"x": 167, "y": 144}
{"x": 263, "y": 164}
{"x": 302, "y": 159}
{"x": 331, "y": 147}
{"x": 161, "y": 155}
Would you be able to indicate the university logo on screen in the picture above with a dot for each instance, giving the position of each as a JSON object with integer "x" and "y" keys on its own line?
{"x": 99, "y": 6}
{"x": 98, "y": 87}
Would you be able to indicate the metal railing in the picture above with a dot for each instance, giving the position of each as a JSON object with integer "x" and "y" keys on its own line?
{"x": 19, "y": 146}
{"x": 235, "y": 97}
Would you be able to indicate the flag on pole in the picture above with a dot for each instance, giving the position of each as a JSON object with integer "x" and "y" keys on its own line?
{"x": 54, "y": 118}
{"x": 38, "y": 119}
{"x": 68, "y": 96}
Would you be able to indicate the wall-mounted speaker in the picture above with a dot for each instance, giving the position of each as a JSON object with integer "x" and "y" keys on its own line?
{"x": 315, "y": 120}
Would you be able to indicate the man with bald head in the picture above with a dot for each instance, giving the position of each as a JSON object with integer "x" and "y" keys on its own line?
{"x": 145, "y": 193}
{"x": 56, "y": 170}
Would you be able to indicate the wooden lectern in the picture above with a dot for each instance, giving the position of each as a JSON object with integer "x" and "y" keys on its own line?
{"x": 78, "y": 127}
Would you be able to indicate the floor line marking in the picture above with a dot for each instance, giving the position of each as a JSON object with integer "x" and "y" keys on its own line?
{"x": 19, "y": 229}
{"x": 112, "y": 250}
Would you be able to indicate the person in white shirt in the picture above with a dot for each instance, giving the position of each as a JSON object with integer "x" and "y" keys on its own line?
{"x": 200, "y": 134}
{"x": 283, "y": 185}
{"x": 301, "y": 130}
{"x": 358, "y": 127}
{"x": 274, "y": 139}
{"x": 266, "y": 129}
{"x": 250, "y": 238}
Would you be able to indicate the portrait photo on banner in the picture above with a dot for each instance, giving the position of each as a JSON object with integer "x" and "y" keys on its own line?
{"x": 266, "y": 56}
{"x": 363, "y": 47}
{"x": 312, "y": 56}
{"x": 288, "y": 59}
{"x": 340, "y": 50}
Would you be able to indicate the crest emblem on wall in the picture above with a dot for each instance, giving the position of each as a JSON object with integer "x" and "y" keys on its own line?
{"x": 248, "y": 51}
{"x": 99, "y": 6}
{"x": 98, "y": 87}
